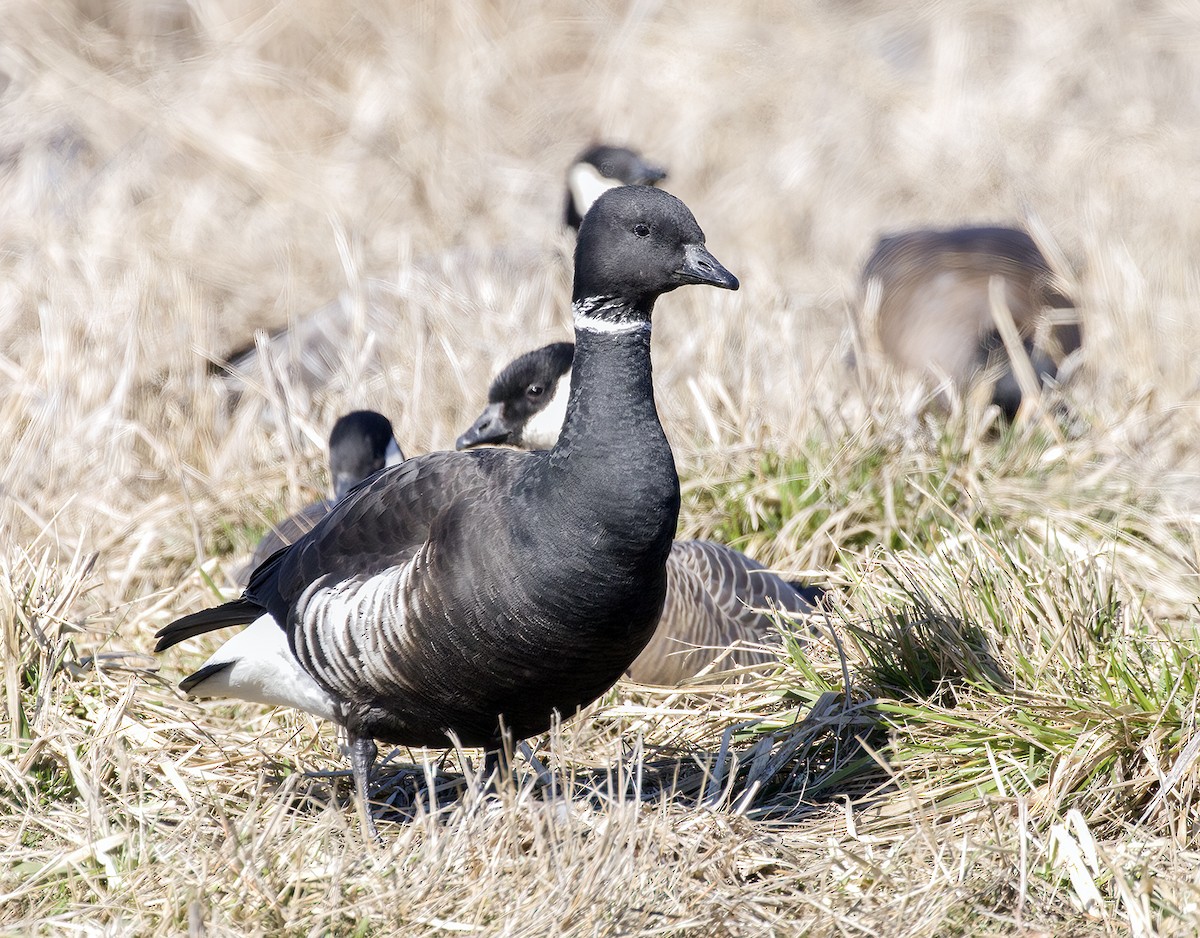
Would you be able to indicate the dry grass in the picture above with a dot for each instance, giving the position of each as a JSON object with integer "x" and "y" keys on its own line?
{"x": 1006, "y": 744}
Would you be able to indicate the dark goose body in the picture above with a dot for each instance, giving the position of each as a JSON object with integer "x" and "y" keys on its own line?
{"x": 714, "y": 593}
{"x": 935, "y": 312}
{"x": 461, "y": 591}
{"x": 413, "y": 628}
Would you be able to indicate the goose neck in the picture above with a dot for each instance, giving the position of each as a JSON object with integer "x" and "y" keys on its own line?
{"x": 611, "y": 416}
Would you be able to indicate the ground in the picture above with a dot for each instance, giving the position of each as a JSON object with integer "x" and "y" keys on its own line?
{"x": 996, "y": 734}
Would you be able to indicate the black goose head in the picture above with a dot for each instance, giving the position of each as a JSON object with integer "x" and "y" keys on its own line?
{"x": 604, "y": 167}
{"x": 527, "y": 401}
{"x": 635, "y": 244}
{"x": 360, "y": 444}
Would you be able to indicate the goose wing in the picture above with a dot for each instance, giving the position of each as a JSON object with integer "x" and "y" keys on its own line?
{"x": 382, "y": 523}
{"x": 286, "y": 532}
{"x": 739, "y": 584}
{"x": 378, "y": 525}
{"x": 713, "y": 597}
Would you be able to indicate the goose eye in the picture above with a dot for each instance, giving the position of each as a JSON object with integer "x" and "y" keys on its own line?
{"x": 641, "y": 231}
{"x": 535, "y": 390}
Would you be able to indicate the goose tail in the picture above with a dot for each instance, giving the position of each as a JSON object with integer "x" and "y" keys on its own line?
{"x": 257, "y": 665}
{"x": 238, "y": 612}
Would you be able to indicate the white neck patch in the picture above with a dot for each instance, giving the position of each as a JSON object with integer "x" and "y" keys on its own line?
{"x": 588, "y": 323}
{"x": 587, "y": 185}
{"x": 392, "y": 456}
{"x": 544, "y": 427}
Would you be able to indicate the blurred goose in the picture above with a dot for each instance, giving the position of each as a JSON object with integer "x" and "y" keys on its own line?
{"x": 714, "y": 593}
{"x": 360, "y": 444}
{"x": 602, "y": 167}
{"x": 935, "y": 314}
{"x": 312, "y": 352}
{"x": 459, "y": 596}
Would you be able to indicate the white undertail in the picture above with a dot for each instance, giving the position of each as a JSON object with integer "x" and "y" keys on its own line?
{"x": 264, "y": 670}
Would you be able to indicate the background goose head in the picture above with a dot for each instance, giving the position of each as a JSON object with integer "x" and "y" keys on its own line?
{"x": 361, "y": 443}
{"x": 635, "y": 244}
{"x": 603, "y": 167}
{"x": 527, "y": 401}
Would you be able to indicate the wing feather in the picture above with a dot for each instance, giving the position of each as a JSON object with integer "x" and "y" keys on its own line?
{"x": 716, "y": 597}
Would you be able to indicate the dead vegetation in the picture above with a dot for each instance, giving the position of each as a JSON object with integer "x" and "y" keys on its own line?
{"x": 1005, "y": 743}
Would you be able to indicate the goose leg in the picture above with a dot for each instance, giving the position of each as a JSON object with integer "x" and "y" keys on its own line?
{"x": 545, "y": 776}
{"x": 495, "y": 765}
{"x": 362, "y": 762}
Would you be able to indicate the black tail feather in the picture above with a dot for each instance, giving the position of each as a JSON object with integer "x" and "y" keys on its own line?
{"x": 238, "y": 612}
{"x": 204, "y": 673}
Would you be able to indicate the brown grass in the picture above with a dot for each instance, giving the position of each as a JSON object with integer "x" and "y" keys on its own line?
{"x": 174, "y": 176}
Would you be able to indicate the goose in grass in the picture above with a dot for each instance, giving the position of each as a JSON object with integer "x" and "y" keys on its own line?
{"x": 312, "y": 352}
{"x": 459, "y": 596}
{"x": 360, "y": 444}
{"x": 934, "y": 313}
{"x": 716, "y": 596}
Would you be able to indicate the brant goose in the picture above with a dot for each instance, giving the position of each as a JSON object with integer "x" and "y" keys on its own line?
{"x": 712, "y": 590}
{"x": 934, "y": 313}
{"x": 360, "y": 444}
{"x": 602, "y": 167}
{"x": 465, "y": 595}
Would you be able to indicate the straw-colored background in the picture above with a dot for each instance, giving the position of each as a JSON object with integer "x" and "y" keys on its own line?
{"x": 175, "y": 175}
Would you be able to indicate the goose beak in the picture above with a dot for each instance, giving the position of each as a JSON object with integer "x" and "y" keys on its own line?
{"x": 488, "y": 428}
{"x": 699, "y": 266}
{"x": 652, "y": 174}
